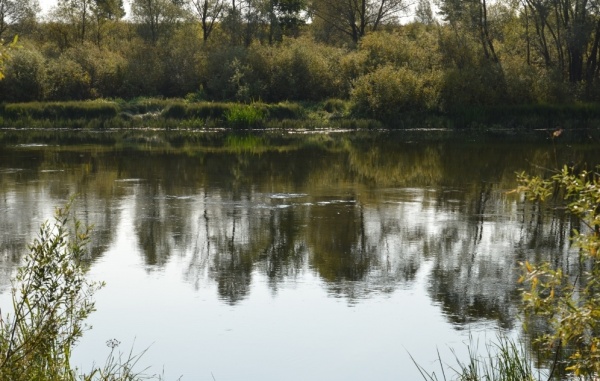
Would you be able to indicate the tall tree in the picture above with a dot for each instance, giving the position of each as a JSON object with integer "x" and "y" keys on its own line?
{"x": 156, "y": 17}
{"x": 244, "y": 20}
{"x": 285, "y": 18}
{"x": 106, "y": 12}
{"x": 470, "y": 16}
{"x": 357, "y": 17}
{"x": 209, "y": 12}
{"x": 423, "y": 13}
{"x": 74, "y": 15}
{"x": 567, "y": 35}
{"x": 16, "y": 11}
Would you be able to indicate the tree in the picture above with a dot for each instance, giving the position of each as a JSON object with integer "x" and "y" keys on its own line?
{"x": 209, "y": 12}
{"x": 566, "y": 35}
{"x": 104, "y": 13}
{"x": 156, "y": 17}
{"x": 73, "y": 16}
{"x": 244, "y": 20}
{"x": 16, "y": 11}
{"x": 285, "y": 18}
{"x": 355, "y": 18}
{"x": 423, "y": 13}
{"x": 470, "y": 16}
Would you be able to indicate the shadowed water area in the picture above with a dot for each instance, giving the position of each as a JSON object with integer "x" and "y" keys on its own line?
{"x": 279, "y": 256}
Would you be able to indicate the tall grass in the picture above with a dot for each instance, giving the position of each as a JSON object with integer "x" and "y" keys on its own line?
{"x": 332, "y": 113}
{"x": 245, "y": 116}
{"x": 504, "y": 360}
{"x": 60, "y": 110}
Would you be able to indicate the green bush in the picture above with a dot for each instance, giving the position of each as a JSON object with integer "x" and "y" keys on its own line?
{"x": 301, "y": 69}
{"x": 469, "y": 87}
{"x": 565, "y": 297}
{"x": 181, "y": 63}
{"x": 144, "y": 71}
{"x": 68, "y": 80}
{"x": 388, "y": 92}
{"x": 224, "y": 71}
{"x": 51, "y": 299}
{"x": 25, "y": 77}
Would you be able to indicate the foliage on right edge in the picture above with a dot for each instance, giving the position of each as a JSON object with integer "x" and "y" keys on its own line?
{"x": 569, "y": 303}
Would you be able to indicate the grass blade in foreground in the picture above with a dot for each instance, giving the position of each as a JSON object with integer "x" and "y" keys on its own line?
{"x": 505, "y": 360}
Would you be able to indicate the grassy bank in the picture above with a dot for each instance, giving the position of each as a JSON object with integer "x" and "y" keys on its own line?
{"x": 332, "y": 114}
{"x": 178, "y": 114}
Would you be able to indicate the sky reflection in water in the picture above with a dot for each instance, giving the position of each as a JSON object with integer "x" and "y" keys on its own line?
{"x": 310, "y": 261}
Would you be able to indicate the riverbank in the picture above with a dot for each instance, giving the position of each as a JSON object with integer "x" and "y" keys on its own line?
{"x": 330, "y": 114}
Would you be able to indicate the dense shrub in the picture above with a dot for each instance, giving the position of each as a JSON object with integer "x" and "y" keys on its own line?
{"x": 25, "y": 77}
{"x": 68, "y": 80}
{"x": 385, "y": 48}
{"x": 225, "y": 74}
{"x": 144, "y": 71}
{"x": 388, "y": 92}
{"x": 296, "y": 69}
{"x": 181, "y": 64}
{"x": 301, "y": 69}
{"x": 475, "y": 86}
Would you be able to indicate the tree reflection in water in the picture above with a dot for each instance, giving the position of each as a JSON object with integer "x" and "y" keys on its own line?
{"x": 361, "y": 212}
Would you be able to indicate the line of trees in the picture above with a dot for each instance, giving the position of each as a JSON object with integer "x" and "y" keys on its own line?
{"x": 467, "y": 52}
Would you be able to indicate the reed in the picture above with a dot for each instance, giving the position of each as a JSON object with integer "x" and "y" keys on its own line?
{"x": 245, "y": 116}
{"x": 504, "y": 360}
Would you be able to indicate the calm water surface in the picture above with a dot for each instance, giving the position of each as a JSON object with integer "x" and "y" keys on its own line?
{"x": 288, "y": 256}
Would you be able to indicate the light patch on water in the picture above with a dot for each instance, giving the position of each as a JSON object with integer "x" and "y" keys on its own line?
{"x": 331, "y": 202}
{"x": 178, "y": 197}
{"x": 10, "y": 170}
{"x": 129, "y": 180}
{"x": 285, "y": 196}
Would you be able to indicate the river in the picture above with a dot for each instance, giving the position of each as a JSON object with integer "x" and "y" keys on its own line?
{"x": 292, "y": 256}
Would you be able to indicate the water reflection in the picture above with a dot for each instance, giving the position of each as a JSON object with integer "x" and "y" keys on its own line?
{"x": 363, "y": 213}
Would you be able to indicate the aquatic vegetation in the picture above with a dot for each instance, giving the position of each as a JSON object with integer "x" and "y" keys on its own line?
{"x": 504, "y": 360}
{"x": 245, "y": 116}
